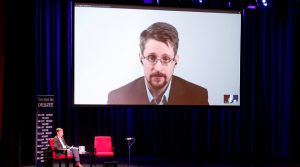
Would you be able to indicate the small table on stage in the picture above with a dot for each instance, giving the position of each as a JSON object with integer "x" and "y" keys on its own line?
{"x": 87, "y": 156}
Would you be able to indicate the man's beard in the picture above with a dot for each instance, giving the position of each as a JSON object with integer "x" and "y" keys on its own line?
{"x": 157, "y": 80}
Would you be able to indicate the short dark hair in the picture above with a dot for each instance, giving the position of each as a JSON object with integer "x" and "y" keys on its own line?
{"x": 162, "y": 32}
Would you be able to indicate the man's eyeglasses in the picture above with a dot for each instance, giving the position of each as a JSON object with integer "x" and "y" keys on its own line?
{"x": 165, "y": 60}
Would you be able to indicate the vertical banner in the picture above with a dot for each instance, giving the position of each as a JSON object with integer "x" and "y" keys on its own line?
{"x": 44, "y": 129}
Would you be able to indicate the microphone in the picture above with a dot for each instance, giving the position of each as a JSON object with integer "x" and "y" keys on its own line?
{"x": 129, "y": 138}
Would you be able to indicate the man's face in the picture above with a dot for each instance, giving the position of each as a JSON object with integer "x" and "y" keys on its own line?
{"x": 158, "y": 74}
{"x": 60, "y": 133}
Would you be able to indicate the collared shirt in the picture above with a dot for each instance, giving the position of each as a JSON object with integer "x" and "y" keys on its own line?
{"x": 62, "y": 143}
{"x": 164, "y": 98}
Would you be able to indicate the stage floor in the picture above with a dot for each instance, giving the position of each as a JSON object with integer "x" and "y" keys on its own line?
{"x": 155, "y": 162}
{"x": 188, "y": 165}
{"x": 181, "y": 164}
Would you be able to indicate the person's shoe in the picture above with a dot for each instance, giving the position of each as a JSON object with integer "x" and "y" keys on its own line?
{"x": 78, "y": 164}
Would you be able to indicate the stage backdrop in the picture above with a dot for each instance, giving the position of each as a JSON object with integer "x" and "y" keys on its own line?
{"x": 264, "y": 127}
{"x": 259, "y": 128}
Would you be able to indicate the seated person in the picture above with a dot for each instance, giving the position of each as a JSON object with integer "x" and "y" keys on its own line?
{"x": 60, "y": 146}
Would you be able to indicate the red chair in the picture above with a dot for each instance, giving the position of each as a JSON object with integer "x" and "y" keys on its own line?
{"x": 64, "y": 156}
{"x": 103, "y": 147}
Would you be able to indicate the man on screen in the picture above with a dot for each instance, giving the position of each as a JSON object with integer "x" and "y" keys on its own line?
{"x": 158, "y": 56}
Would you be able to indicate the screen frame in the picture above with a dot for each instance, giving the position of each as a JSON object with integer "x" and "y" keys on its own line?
{"x": 151, "y": 7}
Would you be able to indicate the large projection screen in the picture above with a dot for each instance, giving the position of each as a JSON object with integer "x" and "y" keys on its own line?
{"x": 106, "y": 49}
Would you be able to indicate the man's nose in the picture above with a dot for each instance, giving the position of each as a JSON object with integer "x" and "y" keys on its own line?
{"x": 158, "y": 65}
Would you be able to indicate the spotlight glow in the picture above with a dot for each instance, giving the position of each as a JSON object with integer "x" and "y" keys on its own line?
{"x": 264, "y": 2}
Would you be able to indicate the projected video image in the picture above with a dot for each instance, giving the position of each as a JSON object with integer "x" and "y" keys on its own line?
{"x": 125, "y": 55}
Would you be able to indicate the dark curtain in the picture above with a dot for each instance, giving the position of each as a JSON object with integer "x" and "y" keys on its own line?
{"x": 1, "y": 61}
{"x": 18, "y": 116}
{"x": 265, "y": 126}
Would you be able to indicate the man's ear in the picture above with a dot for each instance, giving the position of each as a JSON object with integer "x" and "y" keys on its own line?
{"x": 176, "y": 59}
{"x": 140, "y": 56}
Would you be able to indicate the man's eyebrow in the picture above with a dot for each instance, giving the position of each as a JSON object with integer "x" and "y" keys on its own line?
{"x": 155, "y": 54}
{"x": 152, "y": 54}
{"x": 166, "y": 55}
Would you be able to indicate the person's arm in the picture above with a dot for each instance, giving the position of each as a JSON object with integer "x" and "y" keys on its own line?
{"x": 70, "y": 147}
{"x": 57, "y": 145}
{"x": 63, "y": 140}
